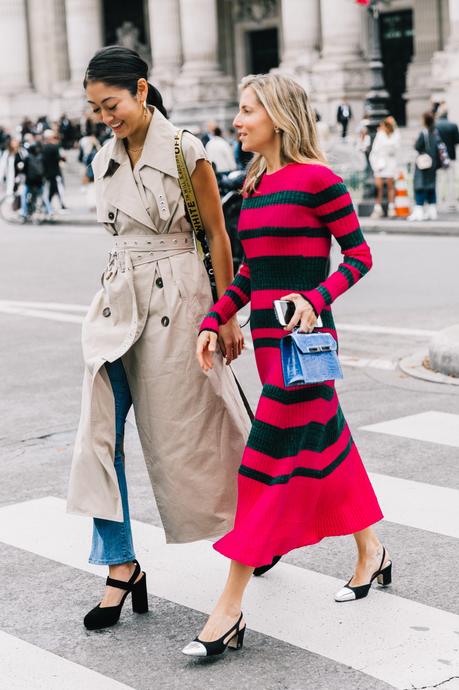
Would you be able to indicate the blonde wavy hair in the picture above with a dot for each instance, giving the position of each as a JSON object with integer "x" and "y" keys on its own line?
{"x": 288, "y": 106}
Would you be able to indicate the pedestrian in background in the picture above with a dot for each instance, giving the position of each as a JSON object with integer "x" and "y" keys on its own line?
{"x": 343, "y": 116}
{"x": 425, "y": 171}
{"x": 449, "y": 133}
{"x": 220, "y": 153}
{"x": 11, "y": 169}
{"x": 88, "y": 147}
{"x": 301, "y": 477}
{"x": 383, "y": 160}
{"x": 52, "y": 159}
{"x": 139, "y": 339}
{"x": 34, "y": 174}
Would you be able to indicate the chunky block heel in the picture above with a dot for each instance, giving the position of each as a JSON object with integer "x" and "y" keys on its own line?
{"x": 140, "y": 596}
{"x": 385, "y": 576}
{"x": 103, "y": 617}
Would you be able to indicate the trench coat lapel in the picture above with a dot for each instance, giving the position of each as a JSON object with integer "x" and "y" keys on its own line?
{"x": 121, "y": 191}
{"x": 120, "y": 188}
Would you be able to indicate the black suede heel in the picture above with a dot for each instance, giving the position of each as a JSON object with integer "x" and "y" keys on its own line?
{"x": 107, "y": 616}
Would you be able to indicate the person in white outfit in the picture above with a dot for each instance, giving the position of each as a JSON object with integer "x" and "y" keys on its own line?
{"x": 383, "y": 160}
{"x": 220, "y": 153}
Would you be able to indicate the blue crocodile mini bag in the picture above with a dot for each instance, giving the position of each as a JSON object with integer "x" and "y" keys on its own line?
{"x": 309, "y": 358}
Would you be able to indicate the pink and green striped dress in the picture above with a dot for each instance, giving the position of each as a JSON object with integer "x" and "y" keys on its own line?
{"x": 301, "y": 477}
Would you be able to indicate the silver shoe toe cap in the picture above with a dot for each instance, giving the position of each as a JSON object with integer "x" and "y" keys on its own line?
{"x": 195, "y": 649}
{"x": 345, "y": 594}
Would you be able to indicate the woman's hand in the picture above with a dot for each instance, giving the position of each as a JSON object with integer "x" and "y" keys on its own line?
{"x": 304, "y": 314}
{"x": 231, "y": 340}
{"x": 205, "y": 348}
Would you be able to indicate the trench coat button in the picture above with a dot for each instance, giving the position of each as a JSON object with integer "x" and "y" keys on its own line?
{"x": 111, "y": 215}
{"x": 106, "y": 311}
{"x": 159, "y": 282}
{"x": 165, "y": 321}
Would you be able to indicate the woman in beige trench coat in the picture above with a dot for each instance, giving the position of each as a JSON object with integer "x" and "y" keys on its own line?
{"x": 139, "y": 334}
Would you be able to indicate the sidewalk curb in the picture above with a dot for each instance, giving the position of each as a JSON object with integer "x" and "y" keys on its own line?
{"x": 413, "y": 366}
{"x": 419, "y": 228}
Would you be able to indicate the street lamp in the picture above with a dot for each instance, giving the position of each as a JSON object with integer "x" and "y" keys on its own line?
{"x": 375, "y": 108}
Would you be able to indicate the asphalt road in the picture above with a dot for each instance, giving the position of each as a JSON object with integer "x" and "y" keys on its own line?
{"x": 403, "y": 637}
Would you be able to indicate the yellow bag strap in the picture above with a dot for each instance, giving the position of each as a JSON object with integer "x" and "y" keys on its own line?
{"x": 188, "y": 193}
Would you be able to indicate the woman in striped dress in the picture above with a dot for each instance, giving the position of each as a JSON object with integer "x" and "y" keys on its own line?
{"x": 301, "y": 478}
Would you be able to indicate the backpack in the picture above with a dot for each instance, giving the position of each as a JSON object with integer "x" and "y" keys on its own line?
{"x": 35, "y": 168}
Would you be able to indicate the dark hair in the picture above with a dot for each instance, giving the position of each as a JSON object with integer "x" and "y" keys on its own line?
{"x": 122, "y": 67}
{"x": 217, "y": 132}
{"x": 428, "y": 120}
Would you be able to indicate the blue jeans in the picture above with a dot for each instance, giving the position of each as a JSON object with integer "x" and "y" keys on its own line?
{"x": 112, "y": 541}
{"x": 425, "y": 195}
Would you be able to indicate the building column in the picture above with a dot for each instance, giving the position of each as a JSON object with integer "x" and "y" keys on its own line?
{"x": 84, "y": 35}
{"x": 49, "y": 63}
{"x": 300, "y": 38}
{"x": 427, "y": 40}
{"x": 14, "y": 52}
{"x": 166, "y": 44}
{"x": 15, "y": 93}
{"x": 452, "y": 91}
{"x": 202, "y": 91}
{"x": 341, "y": 72}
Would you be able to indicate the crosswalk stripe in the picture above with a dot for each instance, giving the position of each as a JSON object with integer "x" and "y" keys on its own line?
{"x": 23, "y": 665}
{"x": 415, "y": 504}
{"x": 52, "y": 306}
{"x": 398, "y": 641}
{"x": 41, "y": 314}
{"x": 432, "y": 426}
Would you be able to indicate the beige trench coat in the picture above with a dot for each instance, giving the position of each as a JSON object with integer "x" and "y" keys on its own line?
{"x": 192, "y": 426}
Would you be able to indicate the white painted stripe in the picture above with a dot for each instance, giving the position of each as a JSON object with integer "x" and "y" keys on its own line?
{"x": 23, "y": 665}
{"x": 56, "y": 306}
{"x": 398, "y": 641}
{"x": 363, "y": 362}
{"x": 53, "y": 306}
{"x": 415, "y": 504}
{"x": 41, "y": 314}
{"x": 435, "y": 427}
{"x": 384, "y": 330}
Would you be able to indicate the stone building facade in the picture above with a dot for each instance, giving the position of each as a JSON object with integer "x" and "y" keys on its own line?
{"x": 199, "y": 49}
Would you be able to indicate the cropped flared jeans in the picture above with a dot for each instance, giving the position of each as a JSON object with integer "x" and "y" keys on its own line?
{"x": 112, "y": 541}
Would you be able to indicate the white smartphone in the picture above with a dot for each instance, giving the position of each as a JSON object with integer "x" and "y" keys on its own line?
{"x": 284, "y": 310}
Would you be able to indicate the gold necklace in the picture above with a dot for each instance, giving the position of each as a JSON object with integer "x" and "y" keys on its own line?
{"x": 134, "y": 150}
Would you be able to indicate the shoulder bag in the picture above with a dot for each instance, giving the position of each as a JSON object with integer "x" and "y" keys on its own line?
{"x": 192, "y": 211}
{"x": 191, "y": 206}
{"x": 424, "y": 161}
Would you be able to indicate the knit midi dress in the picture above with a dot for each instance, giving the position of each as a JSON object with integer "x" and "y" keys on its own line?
{"x": 301, "y": 477}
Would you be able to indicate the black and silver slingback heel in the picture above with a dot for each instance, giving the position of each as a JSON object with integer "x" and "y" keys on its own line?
{"x": 382, "y": 575}
{"x": 233, "y": 638}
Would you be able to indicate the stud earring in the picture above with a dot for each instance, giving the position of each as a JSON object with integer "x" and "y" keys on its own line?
{"x": 145, "y": 109}
{"x": 277, "y": 130}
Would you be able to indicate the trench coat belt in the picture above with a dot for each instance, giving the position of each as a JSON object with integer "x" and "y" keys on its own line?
{"x": 135, "y": 250}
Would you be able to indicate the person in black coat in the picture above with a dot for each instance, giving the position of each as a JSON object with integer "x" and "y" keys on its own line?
{"x": 52, "y": 158}
{"x": 425, "y": 175}
{"x": 449, "y": 132}
{"x": 343, "y": 115}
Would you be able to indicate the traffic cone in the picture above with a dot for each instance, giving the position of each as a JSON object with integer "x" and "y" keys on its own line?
{"x": 402, "y": 199}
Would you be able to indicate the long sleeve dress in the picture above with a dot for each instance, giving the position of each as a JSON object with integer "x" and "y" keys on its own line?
{"x": 301, "y": 477}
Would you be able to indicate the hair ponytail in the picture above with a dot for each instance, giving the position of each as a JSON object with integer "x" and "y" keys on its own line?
{"x": 155, "y": 99}
{"x": 122, "y": 67}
